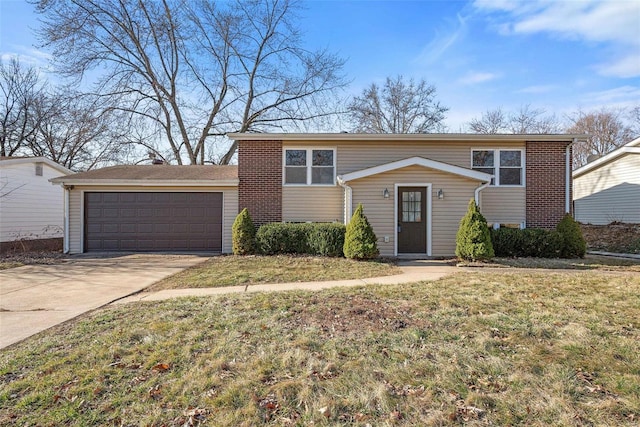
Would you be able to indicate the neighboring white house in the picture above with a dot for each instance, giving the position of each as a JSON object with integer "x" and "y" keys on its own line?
{"x": 30, "y": 206}
{"x": 608, "y": 189}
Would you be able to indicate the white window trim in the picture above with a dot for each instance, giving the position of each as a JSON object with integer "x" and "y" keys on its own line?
{"x": 309, "y": 151}
{"x": 496, "y": 164}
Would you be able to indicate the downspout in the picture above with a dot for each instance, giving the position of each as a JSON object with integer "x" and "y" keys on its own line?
{"x": 478, "y": 190}
{"x": 567, "y": 183}
{"x": 347, "y": 199}
{"x": 65, "y": 242}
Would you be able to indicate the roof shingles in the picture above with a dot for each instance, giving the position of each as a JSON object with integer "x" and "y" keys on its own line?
{"x": 158, "y": 173}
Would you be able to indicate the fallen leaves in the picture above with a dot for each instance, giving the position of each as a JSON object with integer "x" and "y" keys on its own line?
{"x": 161, "y": 367}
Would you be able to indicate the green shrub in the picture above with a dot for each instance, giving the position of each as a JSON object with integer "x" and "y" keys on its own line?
{"x": 507, "y": 242}
{"x": 574, "y": 244}
{"x": 530, "y": 242}
{"x": 325, "y": 239}
{"x": 243, "y": 234}
{"x": 360, "y": 241}
{"x": 473, "y": 241}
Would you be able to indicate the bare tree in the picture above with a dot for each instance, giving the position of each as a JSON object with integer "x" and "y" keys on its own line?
{"x": 79, "y": 132}
{"x": 491, "y": 122}
{"x": 605, "y": 129}
{"x": 525, "y": 120}
{"x": 195, "y": 69}
{"x": 634, "y": 119}
{"x": 21, "y": 92}
{"x": 397, "y": 107}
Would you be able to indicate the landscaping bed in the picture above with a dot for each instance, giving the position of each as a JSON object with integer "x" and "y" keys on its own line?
{"x": 470, "y": 349}
{"x": 18, "y": 259}
{"x": 614, "y": 237}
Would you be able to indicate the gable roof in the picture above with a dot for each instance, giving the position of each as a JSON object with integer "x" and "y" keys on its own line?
{"x": 26, "y": 160}
{"x": 416, "y": 161}
{"x": 182, "y": 175}
{"x": 632, "y": 147}
{"x": 423, "y": 137}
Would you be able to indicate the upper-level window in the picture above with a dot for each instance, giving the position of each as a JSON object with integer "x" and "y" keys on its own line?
{"x": 309, "y": 166}
{"x": 504, "y": 165}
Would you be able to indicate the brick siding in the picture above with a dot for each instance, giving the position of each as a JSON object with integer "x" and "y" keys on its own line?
{"x": 260, "y": 176}
{"x": 546, "y": 175}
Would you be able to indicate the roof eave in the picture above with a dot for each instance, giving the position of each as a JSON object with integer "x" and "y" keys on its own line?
{"x": 405, "y": 137}
{"x": 148, "y": 182}
{"x": 615, "y": 154}
{"x": 416, "y": 161}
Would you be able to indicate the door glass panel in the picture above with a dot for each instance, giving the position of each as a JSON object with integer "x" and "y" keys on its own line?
{"x": 411, "y": 206}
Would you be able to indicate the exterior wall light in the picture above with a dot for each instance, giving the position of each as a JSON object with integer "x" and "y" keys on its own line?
{"x": 385, "y": 193}
{"x": 440, "y": 194}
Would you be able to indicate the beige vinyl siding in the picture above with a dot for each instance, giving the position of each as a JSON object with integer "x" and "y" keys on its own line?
{"x": 312, "y": 204}
{"x": 229, "y": 209}
{"x": 504, "y": 205}
{"x": 609, "y": 193}
{"x": 446, "y": 214}
{"x": 32, "y": 207}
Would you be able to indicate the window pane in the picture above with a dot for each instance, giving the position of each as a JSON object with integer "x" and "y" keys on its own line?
{"x": 322, "y": 175}
{"x": 483, "y": 158}
{"x": 510, "y": 158}
{"x": 411, "y": 206}
{"x": 322, "y": 157}
{"x": 296, "y": 157}
{"x": 295, "y": 175}
{"x": 510, "y": 176}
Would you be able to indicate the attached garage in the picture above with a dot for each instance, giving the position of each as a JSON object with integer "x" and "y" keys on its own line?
{"x": 153, "y": 221}
{"x": 150, "y": 208}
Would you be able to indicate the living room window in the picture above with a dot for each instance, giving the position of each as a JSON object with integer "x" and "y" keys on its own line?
{"x": 309, "y": 166}
{"x": 506, "y": 166}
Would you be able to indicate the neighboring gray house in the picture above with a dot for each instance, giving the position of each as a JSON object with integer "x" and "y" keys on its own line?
{"x": 31, "y": 208}
{"x": 608, "y": 189}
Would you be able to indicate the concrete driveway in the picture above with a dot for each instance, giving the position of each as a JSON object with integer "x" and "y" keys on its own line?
{"x": 36, "y": 297}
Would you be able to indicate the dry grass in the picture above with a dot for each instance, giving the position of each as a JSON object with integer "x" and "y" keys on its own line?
{"x": 589, "y": 262}
{"x": 250, "y": 270}
{"x": 471, "y": 349}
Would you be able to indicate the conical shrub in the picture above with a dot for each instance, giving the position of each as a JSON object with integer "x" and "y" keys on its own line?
{"x": 574, "y": 245}
{"x": 473, "y": 240}
{"x": 360, "y": 242}
{"x": 243, "y": 234}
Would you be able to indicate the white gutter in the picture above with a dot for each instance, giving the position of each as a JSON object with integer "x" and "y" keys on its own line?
{"x": 65, "y": 243}
{"x": 478, "y": 190}
{"x": 347, "y": 199}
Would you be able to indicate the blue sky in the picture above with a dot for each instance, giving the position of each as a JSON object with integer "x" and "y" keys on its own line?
{"x": 558, "y": 55}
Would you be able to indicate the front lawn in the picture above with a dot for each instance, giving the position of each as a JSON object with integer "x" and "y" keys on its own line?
{"x": 589, "y": 262}
{"x": 251, "y": 270}
{"x": 470, "y": 349}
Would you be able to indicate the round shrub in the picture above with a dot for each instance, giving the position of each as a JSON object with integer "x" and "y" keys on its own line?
{"x": 243, "y": 234}
{"x": 360, "y": 242}
{"x": 574, "y": 244}
{"x": 473, "y": 241}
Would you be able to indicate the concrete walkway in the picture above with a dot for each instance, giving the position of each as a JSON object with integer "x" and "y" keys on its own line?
{"x": 412, "y": 271}
{"x": 35, "y": 297}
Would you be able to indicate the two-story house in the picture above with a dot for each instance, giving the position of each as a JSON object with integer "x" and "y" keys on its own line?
{"x": 414, "y": 189}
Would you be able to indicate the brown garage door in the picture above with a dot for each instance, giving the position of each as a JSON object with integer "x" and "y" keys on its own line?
{"x": 153, "y": 221}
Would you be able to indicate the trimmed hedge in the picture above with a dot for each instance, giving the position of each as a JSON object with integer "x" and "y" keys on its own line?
{"x": 529, "y": 242}
{"x": 324, "y": 239}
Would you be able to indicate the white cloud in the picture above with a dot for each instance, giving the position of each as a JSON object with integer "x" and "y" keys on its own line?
{"x": 477, "y": 77}
{"x": 442, "y": 42}
{"x": 623, "y": 94}
{"x": 27, "y": 55}
{"x": 538, "y": 89}
{"x": 612, "y": 22}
